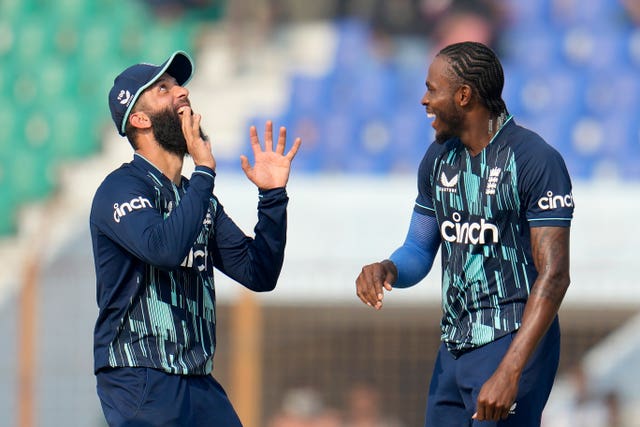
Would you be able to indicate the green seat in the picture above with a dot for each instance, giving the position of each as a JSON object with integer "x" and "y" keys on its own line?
{"x": 73, "y": 134}
{"x": 32, "y": 41}
{"x": 31, "y": 175}
{"x": 9, "y": 122}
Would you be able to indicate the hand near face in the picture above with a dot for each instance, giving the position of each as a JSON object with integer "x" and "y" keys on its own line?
{"x": 198, "y": 148}
{"x": 271, "y": 168}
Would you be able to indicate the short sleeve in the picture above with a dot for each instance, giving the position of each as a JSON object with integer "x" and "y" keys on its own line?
{"x": 546, "y": 187}
{"x": 424, "y": 200}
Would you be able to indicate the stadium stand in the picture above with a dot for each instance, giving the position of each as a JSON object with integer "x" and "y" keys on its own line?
{"x": 57, "y": 62}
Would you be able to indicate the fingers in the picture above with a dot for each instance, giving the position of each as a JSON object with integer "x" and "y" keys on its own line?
{"x": 294, "y": 149}
{"x": 491, "y": 412}
{"x": 268, "y": 136}
{"x": 282, "y": 140}
{"x": 186, "y": 120}
{"x": 268, "y": 141}
{"x": 253, "y": 137}
{"x": 370, "y": 284}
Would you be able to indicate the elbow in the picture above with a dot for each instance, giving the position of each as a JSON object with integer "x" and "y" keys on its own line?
{"x": 262, "y": 285}
{"x": 268, "y": 288}
{"x": 262, "y": 282}
{"x": 167, "y": 261}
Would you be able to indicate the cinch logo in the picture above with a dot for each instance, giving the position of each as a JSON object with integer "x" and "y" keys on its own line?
{"x": 468, "y": 232}
{"x": 448, "y": 185}
{"x": 197, "y": 258}
{"x": 120, "y": 210}
{"x": 553, "y": 202}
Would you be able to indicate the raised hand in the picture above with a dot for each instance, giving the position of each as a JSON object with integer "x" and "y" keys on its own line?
{"x": 271, "y": 168}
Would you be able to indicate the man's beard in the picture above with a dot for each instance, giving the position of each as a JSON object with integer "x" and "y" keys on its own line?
{"x": 453, "y": 120}
{"x": 167, "y": 129}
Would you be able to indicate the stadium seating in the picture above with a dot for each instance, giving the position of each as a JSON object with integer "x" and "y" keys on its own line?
{"x": 571, "y": 75}
{"x": 57, "y": 62}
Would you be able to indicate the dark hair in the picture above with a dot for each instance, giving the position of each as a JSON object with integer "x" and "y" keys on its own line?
{"x": 478, "y": 66}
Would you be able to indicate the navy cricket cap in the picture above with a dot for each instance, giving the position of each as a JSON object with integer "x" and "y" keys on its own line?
{"x": 129, "y": 84}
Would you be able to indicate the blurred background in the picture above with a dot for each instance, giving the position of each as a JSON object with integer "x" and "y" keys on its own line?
{"x": 347, "y": 76}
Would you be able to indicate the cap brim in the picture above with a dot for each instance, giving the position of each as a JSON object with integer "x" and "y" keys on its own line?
{"x": 179, "y": 66}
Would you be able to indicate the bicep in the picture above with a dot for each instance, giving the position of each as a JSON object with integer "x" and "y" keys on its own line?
{"x": 550, "y": 251}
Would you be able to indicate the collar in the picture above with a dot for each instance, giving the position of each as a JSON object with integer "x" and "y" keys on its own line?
{"x": 499, "y": 131}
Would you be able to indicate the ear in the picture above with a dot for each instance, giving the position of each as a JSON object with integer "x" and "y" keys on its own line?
{"x": 463, "y": 96}
{"x": 139, "y": 120}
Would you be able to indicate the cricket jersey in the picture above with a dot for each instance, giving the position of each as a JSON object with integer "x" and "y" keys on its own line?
{"x": 485, "y": 206}
{"x": 155, "y": 246}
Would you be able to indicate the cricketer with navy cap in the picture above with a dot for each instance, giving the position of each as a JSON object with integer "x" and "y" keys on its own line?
{"x": 157, "y": 237}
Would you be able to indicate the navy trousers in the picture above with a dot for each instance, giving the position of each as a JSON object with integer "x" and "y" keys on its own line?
{"x": 456, "y": 383}
{"x": 145, "y": 397}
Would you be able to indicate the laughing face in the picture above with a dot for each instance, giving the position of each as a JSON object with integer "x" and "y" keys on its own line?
{"x": 439, "y": 101}
{"x": 162, "y": 102}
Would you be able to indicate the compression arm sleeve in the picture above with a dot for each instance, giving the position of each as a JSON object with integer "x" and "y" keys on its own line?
{"x": 414, "y": 258}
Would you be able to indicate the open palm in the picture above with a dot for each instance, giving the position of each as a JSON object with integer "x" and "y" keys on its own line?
{"x": 271, "y": 168}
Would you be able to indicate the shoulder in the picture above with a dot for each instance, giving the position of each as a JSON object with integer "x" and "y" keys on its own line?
{"x": 527, "y": 144}
{"x": 123, "y": 185}
{"x": 435, "y": 152}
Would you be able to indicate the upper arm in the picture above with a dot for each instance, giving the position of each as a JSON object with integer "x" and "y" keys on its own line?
{"x": 550, "y": 251}
{"x": 125, "y": 210}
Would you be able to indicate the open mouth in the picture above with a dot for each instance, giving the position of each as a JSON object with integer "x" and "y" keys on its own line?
{"x": 181, "y": 107}
{"x": 432, "y": 117}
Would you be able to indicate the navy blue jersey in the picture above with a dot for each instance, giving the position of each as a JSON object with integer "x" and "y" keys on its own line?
{"x": 485, "y": 206}
{"x": 155, "y": 247}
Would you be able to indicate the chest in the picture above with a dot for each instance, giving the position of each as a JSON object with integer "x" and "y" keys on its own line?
{"x": 483, "y": 186}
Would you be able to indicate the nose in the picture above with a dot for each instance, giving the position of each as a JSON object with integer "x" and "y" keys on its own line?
{"x": 181, "y": 91}
{"x": 425, "y": 100}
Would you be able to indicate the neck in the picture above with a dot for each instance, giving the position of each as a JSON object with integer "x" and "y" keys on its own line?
{"x": 481, "y": 130}
{"x": 169, "y": 164}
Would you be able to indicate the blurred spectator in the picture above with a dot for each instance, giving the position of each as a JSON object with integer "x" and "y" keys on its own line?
{"x": 585, "y": 408}
{"x": 613, "y": 410}
{"x": 172, "y": 9}
{"x": 453, "y": 21}
{"x": 632, "y": 8}
{"x": 303, "y": 407}
{"x": 365, "y": 408}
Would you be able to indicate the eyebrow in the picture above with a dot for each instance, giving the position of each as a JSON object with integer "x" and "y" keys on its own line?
{"x": 164, "y": 79}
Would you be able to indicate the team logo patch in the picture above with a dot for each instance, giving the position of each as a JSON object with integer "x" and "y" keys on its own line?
{"x": 492, "y": 182}
{"x": 448, "y": 185}
{"x": 124, "y": 97}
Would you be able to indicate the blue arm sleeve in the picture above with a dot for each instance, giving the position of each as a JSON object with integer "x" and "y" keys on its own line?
{"x": 415, "y": 257}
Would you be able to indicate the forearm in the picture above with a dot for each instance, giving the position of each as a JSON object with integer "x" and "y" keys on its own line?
{"x": 538, "y": 316}
{"x": 550, "y": 247}
{"x": 268, "y": 245}
{"x": 254, "y": 262}
{"x": 414, "y": 259}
